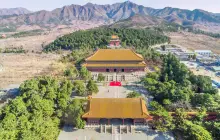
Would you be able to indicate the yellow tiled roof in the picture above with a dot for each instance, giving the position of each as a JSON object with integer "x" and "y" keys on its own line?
{"x": 115, "y": 55}
{"x": 116, "y": 108}
{"x": 115, "y": 37}
{"x": 141, "y": 64}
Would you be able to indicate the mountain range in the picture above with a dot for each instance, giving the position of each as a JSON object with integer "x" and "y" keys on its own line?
{"x": 108, "y": 14}
{"x": 217, "y": 14}
{"x": 13, "y": 11}
{"x": 138, "y": 21}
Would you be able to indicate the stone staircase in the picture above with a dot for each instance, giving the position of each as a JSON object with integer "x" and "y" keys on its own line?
{"x": 116, "y": 133}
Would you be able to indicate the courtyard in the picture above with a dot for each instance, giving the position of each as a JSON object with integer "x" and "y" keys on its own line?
{"x": 106, "y": 91}
{"x": 69, "y": 133}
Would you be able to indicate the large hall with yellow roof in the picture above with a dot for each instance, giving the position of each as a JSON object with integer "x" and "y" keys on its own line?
{"x": 120, "y": 111}
{"x": 115, "y": 60}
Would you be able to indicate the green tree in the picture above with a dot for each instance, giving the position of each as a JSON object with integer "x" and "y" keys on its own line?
{"x": 206, "y": 100}
{"x": 74, "y": 113}
{"x": 213, "y": 128}
{"x": 133, "y": 95}
{"x": 17, "y": 107}
{"x": 99, "y": 38}
{"x": 92, "y": 87}
{"x": 194, "y": 57}
{"x": 37, "y": 112}
{"x": 71, "y": 72}
{"x": 79, "y": 88}
{"x": 163, "y": 120}
{"x": 201, "y": 114}
{"x": 180, "y": 118}
{"x": 196, "y": 132}
{"x": 203, "y": 84}
{"x": 85, "y": 74}
{"x": 101, "y": 77}
{"x": 166, "y": 102}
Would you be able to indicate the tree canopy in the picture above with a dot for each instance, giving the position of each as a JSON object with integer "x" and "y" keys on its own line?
{"x": 79, "y": 88}
{"x": 85, "y": 74}
{"x": 133, "y": 95}
{"x": 100, "y": 37}
{"x": 92, "y": 87}
{"x": 39, "y": 110}
{"x": 176, "y": 83}
{"x": 163, "y": 120}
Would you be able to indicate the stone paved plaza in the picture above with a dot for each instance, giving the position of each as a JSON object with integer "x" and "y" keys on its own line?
{"x": 69, "y": 134}
{"x": 118, "y": 92}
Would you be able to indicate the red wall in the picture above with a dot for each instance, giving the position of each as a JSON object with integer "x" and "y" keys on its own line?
{"x": 114, "y": 43}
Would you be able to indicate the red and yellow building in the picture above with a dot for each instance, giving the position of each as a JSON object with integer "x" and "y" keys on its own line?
{"x": 122, "y": 110}
{"x": 115, "y": 41}
{"x": 115, "y": 60}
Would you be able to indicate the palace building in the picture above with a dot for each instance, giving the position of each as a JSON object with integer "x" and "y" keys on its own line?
{"x": 116, "y": 110}
{"x": 115, "y": 41}
{"x": 115, "y": 60}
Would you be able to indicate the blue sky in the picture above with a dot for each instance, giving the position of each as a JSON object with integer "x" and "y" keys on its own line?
{"x": 34, "y": 5}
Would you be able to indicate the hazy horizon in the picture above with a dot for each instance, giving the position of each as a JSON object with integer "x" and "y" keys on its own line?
{"x": 211, "y": 5}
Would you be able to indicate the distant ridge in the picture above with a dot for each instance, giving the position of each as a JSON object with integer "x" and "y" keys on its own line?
{"x": 110, "y": 14}
{"x": 13, "y": 11}
{"x": 138, "y": 21}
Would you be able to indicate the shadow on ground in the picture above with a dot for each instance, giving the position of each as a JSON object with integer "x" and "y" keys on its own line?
{"x": 159, "y": 135}
{"x": 139, "y": 89}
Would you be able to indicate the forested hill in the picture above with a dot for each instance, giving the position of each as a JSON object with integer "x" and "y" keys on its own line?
{"x": 99, "y": 38}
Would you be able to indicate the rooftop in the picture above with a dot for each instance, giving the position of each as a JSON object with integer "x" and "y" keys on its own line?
{"x": 141, "y": 64}
{"x": 116, "y": 108}
{"x": 207, "y": 51}
{"x": 115, "y": 55}
{"x": 216, "y": 68}
{"x": 115, "y": 37}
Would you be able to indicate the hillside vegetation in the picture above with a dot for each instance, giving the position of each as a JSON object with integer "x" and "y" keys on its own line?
{"x": 44, "y": 104}
{"x": 99, "y": 38}
{"x": 176, "y": 89}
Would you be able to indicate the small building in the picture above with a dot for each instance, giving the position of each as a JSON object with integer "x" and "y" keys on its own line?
{"x": 205, "y": 60}
{"x": 115, "y": 41}
{"x": 184, "y": 56}
{"x": 116, "y": 110}
{"x": 176, "y": 49}
{"x": 206, "y": 53}
{"x": 180, "y": 53}
{"x": 216, "y": 68}
{"x": 115, "y": 60}
{"x": 216, "y": 83}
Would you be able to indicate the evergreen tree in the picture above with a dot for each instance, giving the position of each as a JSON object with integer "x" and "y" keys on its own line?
{"x": 92, "y": 87}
